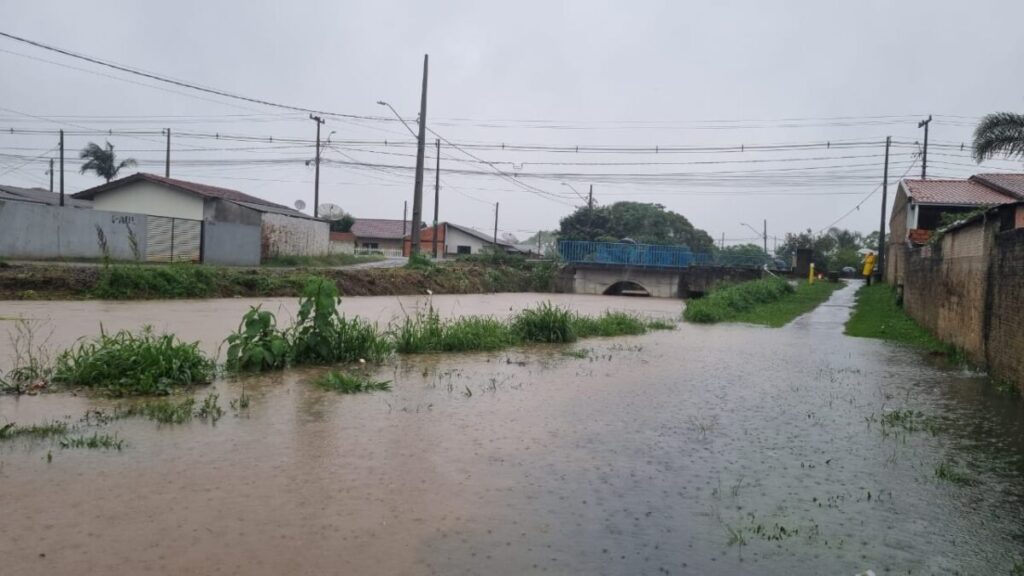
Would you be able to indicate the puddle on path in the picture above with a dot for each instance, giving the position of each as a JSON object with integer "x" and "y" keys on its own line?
{"x": 706, "y": 450}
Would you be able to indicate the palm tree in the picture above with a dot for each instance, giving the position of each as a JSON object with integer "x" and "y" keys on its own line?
{"x": 999, "y": 133}
{"x": 102, "y": 161}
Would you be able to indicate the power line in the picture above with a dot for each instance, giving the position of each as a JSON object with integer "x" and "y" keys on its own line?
{"x": 866, "y": 198}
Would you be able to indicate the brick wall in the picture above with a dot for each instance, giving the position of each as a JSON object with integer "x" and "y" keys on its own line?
{"x": 946, "y": 284}
{"x": 1006, "y": 322}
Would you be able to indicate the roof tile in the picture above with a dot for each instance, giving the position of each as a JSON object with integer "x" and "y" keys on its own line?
{"x": 954, "y": 193}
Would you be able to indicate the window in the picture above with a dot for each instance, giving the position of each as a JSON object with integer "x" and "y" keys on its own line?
{"x": 463, "y": 250}
{"x": 370, "y": 245}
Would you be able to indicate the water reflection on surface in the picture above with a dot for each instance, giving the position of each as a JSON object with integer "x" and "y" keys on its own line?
{"x": 705, "y": 450}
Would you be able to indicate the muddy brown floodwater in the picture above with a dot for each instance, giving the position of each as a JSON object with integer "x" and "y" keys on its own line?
{"x": 726, "y": 449}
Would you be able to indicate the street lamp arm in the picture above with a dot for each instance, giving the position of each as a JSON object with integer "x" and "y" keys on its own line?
{"x": 400, "y": 119}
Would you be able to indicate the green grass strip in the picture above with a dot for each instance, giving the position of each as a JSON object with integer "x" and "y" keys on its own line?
{"x": 877, "y": 315}
{"x": 776, "y": 314}
{"x": 769, "y": 301}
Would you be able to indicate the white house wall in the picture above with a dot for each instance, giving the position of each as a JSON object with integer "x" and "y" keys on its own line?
{"x": 152, "y": 199}
{"x": 455, "y": 238}
{"x": 287, "y": 236}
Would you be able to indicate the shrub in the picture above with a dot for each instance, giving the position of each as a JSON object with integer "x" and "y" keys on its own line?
{"x": 350, "y": 383}
{"x": 257, "y": 345}
{"x": 545, "y": 323}
{"x": 731, "y": 300}
{"x": 127, "y": 364}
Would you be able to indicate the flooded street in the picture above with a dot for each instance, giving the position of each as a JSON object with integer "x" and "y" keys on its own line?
{"x": 725, "y": 449}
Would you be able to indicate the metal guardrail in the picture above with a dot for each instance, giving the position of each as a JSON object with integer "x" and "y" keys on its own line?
{"x": 647, "y": 255}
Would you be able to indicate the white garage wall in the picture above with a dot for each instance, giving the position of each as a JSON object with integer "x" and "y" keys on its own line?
{"x": 152, "y": 199}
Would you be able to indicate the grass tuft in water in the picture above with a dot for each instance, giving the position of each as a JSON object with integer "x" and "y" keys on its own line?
{"x": 210, "y": 409}
{"x": 950, "y": 472}
{"x": 134, "y": 364}
{"x": 321, "y": 335}
{"x": 427, "y": 332}
{"x": 10, "y": 431}
{"x": 545, "y": 323}
{"x": 95, "y": 442}
{"x": 346, "y": 383}
{"x": 608, "y": 324}
{"x": 580, "y": 353}
{"x": 162, "y": 411}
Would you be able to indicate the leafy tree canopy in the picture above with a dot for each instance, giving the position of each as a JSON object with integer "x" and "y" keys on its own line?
{"x": 641, "y": 222}
{"x": 832, "y": 250}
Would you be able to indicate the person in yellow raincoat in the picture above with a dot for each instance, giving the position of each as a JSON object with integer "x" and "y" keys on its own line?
{"x": 869, "y": 266}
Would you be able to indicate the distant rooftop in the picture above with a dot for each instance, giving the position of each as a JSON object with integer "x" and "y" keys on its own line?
{"x": 40, "y": 196}
{"x": 380, "y": 228}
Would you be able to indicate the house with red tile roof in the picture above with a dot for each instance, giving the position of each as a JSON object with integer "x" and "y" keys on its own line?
{"x": 920, "y": 205}
{"x": 380, "y": 234}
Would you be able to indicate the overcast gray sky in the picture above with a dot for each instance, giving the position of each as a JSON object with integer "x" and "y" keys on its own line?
{"x": 631, "y": 76}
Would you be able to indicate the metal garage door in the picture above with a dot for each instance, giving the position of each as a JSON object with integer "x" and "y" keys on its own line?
{"x": 173, "y": 239}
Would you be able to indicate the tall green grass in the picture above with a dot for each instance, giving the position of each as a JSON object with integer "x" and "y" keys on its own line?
{"x": 350, "y": 383}
{"x": 728, "y": 302}
{"x": 608, "y": 324}
{"x": 545, "y": 323}
{"x": 126, "y": 281}
{"x": 427, "y": 332}
{"x": 876, "y": 314}
{"x": 128, "y": 363}
{"x": 321, "y": 335}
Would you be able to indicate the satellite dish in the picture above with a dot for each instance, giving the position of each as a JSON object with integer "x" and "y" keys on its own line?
{"x": 300, "y": 205}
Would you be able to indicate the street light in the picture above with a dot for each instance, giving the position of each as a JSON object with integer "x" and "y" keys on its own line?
{"x": 763, "y": 235}
{"x": 400, "y": 119}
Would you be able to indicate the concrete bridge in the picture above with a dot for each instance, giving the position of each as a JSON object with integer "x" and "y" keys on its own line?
{"x": 659, "y": 282}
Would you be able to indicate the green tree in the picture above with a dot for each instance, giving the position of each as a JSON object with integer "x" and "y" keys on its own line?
{"x": 641, "y": 222}
{"x": 102, "y": 161}
{"x": 999, "y": 133}
{"x": 742, "y": 255}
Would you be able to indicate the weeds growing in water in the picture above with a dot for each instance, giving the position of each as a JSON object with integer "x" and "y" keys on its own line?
{"x": 134, "y": 364}
{"x": 350, "y": 383}
{"x": 32, "y": 366}
{"x": 909, "y": 421}
{"x": 427, "y": 332}
{"x": 162, "y": 411}
{"x": 608, "y": 324}
{"x": 10, "y": 431}
{"x": 321, "y": 335}
{"x": 97, "y": 442}
{"x": 579, "y": 353}
{"x": 257, "y": 345}
{"x": 545, "y": 323}
{"x": 950, "y": 472}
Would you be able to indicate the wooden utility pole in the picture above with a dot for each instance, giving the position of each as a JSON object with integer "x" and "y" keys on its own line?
{"x": 881, "y": 224}
{"x": 417, "y": 198}
{"x": 766, "y": 237}
{"x": 924, "y": 153}
{"x": 496, "y": 225}
{"x": 316, "y": 179}
{"x": 723, "y": 240}
{"x": 50, "y": 172}
{"x": 437, "y": 192}
{"x": 167, "y": 161}
{"x": 62, "y": 167}
{"x": 405, "y": 218}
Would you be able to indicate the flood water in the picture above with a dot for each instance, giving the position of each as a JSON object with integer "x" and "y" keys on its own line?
{"x": 726, "y": 449}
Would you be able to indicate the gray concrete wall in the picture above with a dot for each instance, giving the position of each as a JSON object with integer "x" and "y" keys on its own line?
{"x": 221, "y": 210}
{"x": 231, "y": 244}
{"x": 597, "y": 280}
{"x": 288, "y": 236}
{"x": 38, "y": 231}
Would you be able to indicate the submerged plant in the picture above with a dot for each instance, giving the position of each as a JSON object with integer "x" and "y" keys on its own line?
{"x": 950, "y": 472}
{"x": 11, "y": 430}
{"x": 346, "y": 383}
{"x": 31, "y": 367}
{"x": 210, "y": 409}
{"x": 134, "y": 364}
{"x": 162, "y": 411}
{"x": 96, "y": 441}
{"x": 427, "y": 332}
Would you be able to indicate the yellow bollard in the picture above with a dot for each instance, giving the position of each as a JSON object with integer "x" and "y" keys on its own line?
{"x": 810, "y": 275}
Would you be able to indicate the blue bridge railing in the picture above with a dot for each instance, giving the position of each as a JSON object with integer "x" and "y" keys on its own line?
{"x": 625, "y": 254}
{"x": 647, "y": 255}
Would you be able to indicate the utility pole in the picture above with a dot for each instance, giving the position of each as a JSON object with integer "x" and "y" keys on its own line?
{"x": 50, "y": 172}
{"x": 496, "y": 225}
{"x": 316, "y": 179}
{"x": 924, "y": 154}
{"x": 881, "y": 224}
{"x": 590, "y": 212}
{"x": 723, "y": 240}
{"x": 437, "y": 192}
{"x": 405, "y": 218}
{"x": 766, "y": 237}
{"x": 417, "y": 198}
{"x": 62, "y": 167}
{"x": 167, "y": 162}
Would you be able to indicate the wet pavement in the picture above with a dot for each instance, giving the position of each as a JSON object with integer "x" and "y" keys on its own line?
{"x": 725, "y": 449}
